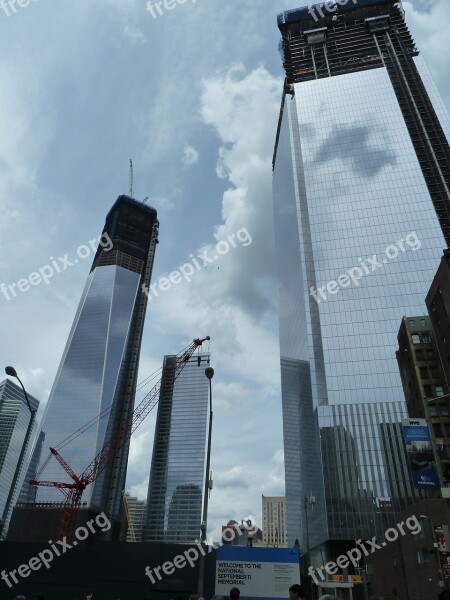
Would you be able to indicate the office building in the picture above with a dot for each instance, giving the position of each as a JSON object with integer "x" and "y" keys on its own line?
{"x": 135, "y": 509}
{"x": 274, "y": 521}
{"x": 419, "y": 364}
{"x": 424, "y": 383}
{"x": 438, "y": 305}
{"x": 99, "y": 366}
{"x": 175, "y": 491}
{"x": 361, "y": 203}
{"x": 28, "y": 492}
{"x": 14, "y": 420}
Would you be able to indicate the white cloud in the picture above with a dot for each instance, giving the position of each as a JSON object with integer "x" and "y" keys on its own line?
{"x": 429, "y": 25}
{"x": 73, "y": 114}
{"x": 232, "y": 300}
{"x": 190, "y": 156}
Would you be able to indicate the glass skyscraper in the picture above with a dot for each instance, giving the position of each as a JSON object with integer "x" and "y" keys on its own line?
{"x": 14, "y": 420}
{"x": 175, "y": 491}
{"x": 98, "y": 370}
{"x": 361, "y": 201}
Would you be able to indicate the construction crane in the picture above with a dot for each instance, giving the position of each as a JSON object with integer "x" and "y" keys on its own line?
{"x": 73, "y": 492}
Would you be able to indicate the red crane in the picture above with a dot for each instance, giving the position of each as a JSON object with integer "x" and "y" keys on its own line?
{"x": 74, "y": 491}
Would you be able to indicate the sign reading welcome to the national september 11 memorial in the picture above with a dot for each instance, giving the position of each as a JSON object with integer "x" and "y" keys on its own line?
{"x": 257, "y": 572}
{"x": 420, "y": 454}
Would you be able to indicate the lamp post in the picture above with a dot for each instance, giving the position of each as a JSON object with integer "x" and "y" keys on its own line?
{"x": 12, "y": 373}
{"x": 209, "y": 372}
{"x": 308, "y": 500}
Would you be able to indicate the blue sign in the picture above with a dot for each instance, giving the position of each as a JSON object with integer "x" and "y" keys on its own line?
{"x": 318, "y": 9}
{"x": 419, "y": 451}
{"x": 257, "y": 572}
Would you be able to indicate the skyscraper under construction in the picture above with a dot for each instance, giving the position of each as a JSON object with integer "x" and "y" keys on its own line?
{"x": 98, "y": 370}
{"x": 362, "y": 213}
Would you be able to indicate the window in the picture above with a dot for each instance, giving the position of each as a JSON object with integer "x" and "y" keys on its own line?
{"x": 419, "y": 354}
{"x": 447, "y": 429}
{"x": 412, "y": 323}
{"x": 437, "y": 430}
{"x": 439, "y": 390}
{"x": 433, "y": 410}
{"x": 422, "y": 322}
{"x": 415, "y": 339}
{"x": 426, "y": 338}
{"x": 430, "y": 354}
{"x": 423, "y": 372}
{"x": 435, "y": 372}
{"x": 420, "y": 535}
{"x": 445, "y": 410}
{"x": 428, "y": 391}
{"x": 422, "y": 555}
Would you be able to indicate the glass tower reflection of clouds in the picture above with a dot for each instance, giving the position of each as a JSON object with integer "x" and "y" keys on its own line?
{"x": 349, "y": 182}
{"x": 14, "y": 420}
{"x": 98, "y": 369}
{"x": 175, "y": 492}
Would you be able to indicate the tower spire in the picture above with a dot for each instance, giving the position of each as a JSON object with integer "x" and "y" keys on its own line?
{"x": 131, "y": 178}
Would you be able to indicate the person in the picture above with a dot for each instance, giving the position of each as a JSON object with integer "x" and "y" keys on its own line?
{"x": 296, "y": 591}
{"x": 234, "y": 593}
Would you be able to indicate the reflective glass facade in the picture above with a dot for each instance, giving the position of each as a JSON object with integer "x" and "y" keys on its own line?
{"x": 358, "y": 243}
{"x": 14, "y": 420}
{"x": 174, "y": 501}
{"x": 99, "y": 366}
{"x": 28, "y": 492}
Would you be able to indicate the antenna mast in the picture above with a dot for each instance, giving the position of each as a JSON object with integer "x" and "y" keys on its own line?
{"x": 131, "y": 178}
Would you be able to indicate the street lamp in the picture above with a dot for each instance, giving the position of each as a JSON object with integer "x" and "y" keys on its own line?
{"x": 308, "y": 500}
{"x": 209, "y": 372}
{"x": 12, "y": 373}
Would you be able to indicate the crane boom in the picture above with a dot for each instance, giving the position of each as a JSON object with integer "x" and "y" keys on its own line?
{"x": 64, "y": 465}
{"x": 108, "y": 451}
{"x": 74, "y": 491}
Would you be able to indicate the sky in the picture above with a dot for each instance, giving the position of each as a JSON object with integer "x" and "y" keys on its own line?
{"x": 193, "y": 96}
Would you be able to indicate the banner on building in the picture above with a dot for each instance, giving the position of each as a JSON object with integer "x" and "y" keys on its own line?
{"x": 444, "y": 555}
{"x": 420, "y": 454}
{"x": 258, "y": 572}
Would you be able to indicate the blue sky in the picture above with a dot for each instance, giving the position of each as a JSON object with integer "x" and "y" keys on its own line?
{"x": 193, "y": 97}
